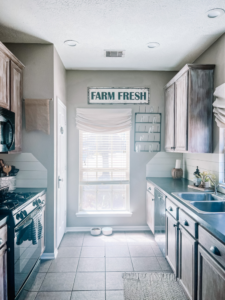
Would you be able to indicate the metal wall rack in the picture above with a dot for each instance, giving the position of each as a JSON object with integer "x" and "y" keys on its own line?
{"x": 143, "y": 121}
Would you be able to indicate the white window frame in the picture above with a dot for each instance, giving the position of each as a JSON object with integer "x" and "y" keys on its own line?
{"x": 99, "y": 213}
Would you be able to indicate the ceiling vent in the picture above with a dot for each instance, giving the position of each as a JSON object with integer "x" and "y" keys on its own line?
{"x": 114, "y": 53}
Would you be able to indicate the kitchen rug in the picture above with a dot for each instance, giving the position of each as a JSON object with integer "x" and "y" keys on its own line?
{"x": 152, "y": 286}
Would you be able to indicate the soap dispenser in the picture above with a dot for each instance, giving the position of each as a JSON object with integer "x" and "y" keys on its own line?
{"x": 197, "y": 177}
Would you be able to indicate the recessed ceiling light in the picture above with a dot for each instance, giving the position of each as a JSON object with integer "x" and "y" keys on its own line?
{"x": 153, "y": 45}
{"x": 214, "y": 13}
{"x": 71, "y": 43}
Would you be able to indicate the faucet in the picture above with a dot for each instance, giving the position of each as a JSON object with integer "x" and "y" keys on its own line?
{"x": 222, "y": 184}
{"x": 213, "y": 182}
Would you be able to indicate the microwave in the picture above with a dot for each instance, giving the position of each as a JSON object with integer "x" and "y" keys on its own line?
{"x": 7, "y": 130}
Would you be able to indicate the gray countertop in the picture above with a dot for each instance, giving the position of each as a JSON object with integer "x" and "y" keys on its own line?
{"x": 214, "y": 223}
{"x": 3, "y": 220}
{"x": 29, "y": 190}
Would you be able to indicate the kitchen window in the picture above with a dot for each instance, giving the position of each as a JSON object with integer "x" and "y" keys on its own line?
{"x": 104, "y": 172}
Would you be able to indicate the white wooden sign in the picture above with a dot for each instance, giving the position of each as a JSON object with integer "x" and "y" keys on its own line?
{"x": 99, "y": 95}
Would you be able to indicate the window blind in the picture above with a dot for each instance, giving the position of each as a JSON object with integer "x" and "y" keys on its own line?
{"x": 104, "y": 168}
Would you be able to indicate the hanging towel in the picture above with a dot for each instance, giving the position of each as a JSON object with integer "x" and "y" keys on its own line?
{"x": 33, "y": 232}
{"x": 37, "y": 115}
{"x": 36, "y": 228}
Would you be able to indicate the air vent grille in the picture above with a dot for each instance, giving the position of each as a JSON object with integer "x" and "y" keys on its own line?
{"x": 114, "y": 54}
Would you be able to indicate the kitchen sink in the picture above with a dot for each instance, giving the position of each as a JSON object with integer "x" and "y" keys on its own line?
{"x": 204, "y": 203}
{"x": 209, "y": 206}
{"x": 197, "y": 196}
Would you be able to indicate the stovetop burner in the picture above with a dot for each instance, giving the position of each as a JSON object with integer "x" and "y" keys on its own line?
{"x": 18, "y": 196}
{"x": 11, "y": 200}
{"x": 9, "y": 204}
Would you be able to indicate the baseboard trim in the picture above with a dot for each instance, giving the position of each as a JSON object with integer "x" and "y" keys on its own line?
{"x": 46, "y": 256}
{"x": 115, "y": 228}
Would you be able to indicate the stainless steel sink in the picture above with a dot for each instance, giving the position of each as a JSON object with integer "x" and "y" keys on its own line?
{"x": 204, "y": 203}
{"x": 209, "y": 206}
{"x": 197, "y": 196}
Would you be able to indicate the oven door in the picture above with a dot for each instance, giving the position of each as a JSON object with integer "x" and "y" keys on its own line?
{"x": 27, "y": 249}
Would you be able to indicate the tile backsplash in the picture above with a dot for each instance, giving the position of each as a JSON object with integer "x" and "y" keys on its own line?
{"x": 212, "y": 162}
{"x": 32, "y": 173}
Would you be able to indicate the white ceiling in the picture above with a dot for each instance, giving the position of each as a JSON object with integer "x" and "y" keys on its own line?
{"x": 180, "y": 26}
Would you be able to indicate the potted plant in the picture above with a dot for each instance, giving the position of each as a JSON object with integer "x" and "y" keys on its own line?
{"x": 206, "y": 181}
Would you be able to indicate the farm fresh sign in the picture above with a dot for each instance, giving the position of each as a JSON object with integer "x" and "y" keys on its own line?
{"x": 118, "y": 95}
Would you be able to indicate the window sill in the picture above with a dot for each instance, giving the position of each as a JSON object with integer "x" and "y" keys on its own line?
{"x": 87, "y": 214}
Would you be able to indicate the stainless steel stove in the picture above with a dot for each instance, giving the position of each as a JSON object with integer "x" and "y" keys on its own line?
{"x": 25, "y": 243}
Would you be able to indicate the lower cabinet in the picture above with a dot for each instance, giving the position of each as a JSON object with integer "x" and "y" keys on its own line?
{"x": 211, "y": 277}
{"x": 172, "y": 242}
{"x": 3, "y": 273}
{"x": 150, "y": 211}
{"x": 187, "y": 263}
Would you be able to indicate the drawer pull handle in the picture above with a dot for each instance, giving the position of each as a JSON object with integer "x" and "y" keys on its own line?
{"x": 1, "y": 242}
{"x": 170, "y": 208}
{"x": 174, "y": 225}
{"x": 186, "y": 223}
{"x": 173, "y": 148}
{"x": 215, "y": 250}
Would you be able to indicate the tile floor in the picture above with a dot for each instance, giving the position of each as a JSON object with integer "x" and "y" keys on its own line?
{"x": 90, "y": 268}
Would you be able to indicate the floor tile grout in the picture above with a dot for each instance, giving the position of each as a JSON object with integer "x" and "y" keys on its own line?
{"x": 128, "y": 243}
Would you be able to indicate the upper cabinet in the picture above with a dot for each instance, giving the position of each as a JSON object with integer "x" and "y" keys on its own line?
{"x": 4, "y": 81}
{"x": 188, "y": 110}
{"x": 11, "y": 87}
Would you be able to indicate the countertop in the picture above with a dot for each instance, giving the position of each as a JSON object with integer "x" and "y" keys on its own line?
{"x": 3, "y": 220}
{"x": 214, "y": 223}
{"x": 29, "y": 190}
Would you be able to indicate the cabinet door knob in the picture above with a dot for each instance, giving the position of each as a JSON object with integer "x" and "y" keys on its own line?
{"x": 153, "y": 199}
{"x": 170, "y": 208}
{"x": 1, "y": 241}
{"x": 149, "y": 189}
{"x": 172, "y": 148}
{"x": 174, "y": 225}
{"x": 186, "y": 223}
{"x": 215, "y": 250}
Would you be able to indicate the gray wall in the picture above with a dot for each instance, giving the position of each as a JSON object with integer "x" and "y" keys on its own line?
{"x": 44, "y": 78}
{"x": 38, "y": 83}
{"x": 77, "y": 83}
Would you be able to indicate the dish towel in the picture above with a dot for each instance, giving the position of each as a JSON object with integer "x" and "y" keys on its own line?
{"x": 36, "y": 228}
{"x": 37, "y": 115}
{"x": 219, "y": 106}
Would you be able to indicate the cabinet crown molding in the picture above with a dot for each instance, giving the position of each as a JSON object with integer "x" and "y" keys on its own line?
{"x": 8, "y": 53}
{"x": 185, "y": 69}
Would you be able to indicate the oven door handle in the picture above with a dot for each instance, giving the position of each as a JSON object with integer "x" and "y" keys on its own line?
{"x": 24, "y": 225}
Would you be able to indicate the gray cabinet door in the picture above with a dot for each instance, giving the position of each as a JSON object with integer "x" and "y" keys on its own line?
{"x": 150, "y": 211}
{"x": 181, "y": 112}
{"x": 4, "y": 81}
{"x": 16, "y": 104}
{"x": 211, "y": 277}
{"x": 200, "y": 110}
{"x": 3, "y": 273}
{"x": 169, "y": 118}
{"x": 188, "y": 262}
{"x": 171, "y": 241}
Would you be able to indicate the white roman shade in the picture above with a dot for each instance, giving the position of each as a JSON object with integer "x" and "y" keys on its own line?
{"x": 219, "y": 106}
{"x": 104, "y": 120}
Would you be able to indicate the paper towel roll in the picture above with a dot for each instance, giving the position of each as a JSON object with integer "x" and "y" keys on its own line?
{"x": 178, "y": 164}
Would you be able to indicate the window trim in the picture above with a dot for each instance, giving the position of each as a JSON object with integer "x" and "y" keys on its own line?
{"x": 103, "y": 213}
